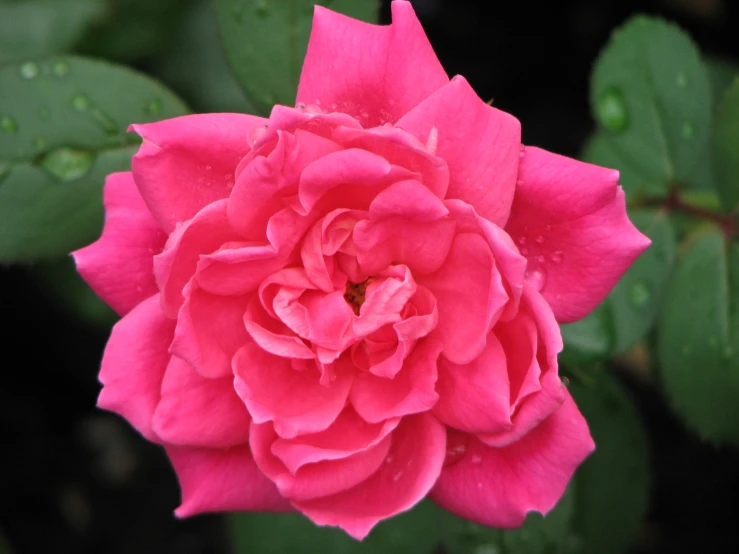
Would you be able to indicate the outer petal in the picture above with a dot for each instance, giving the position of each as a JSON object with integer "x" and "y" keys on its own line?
{"x": 480, "y": 144}
{"x": 498, "y": 486}
{"x": 209, "y": 331}
{"x": 185, "y": 163}
{"x": 375, "y": 74}
{"x": 410, "y": 470}
{"x": 195, "y": 411}
{"x": 470, "y": 296}
{"x": 133, "y": 365}
{"x": 222, "y": 480}
{"x": 569, "y": 219}
{"x": 119, "y": 266}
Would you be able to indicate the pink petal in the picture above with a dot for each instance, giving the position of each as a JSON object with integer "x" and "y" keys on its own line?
{"x": 133, "y": 365}
{"x": 265, "y": 182}
{"x": 408, "y": 199}
{"x": 195, "y": 411}
{"x": 293, "y": 399}
{"x": 222, "y": 480}
{"x": 376, "y": 74}
{"x": 498, "y": 486}
{"x": 174, "y": 267}
{"x": 209, "y": 331}
{"x": 474, "y": 397}
{"x": 410, "y": 470}
{"x": 411, "y": 391}
{"x": 319, "y": 479}
{"x": 480, "y": 144}
{"x": 273, "y": 336}
{"x": 570, "y": 221}
{"x": 119, "y": 265}
{"x": 470, "y": 296}
{"x": 185, "y": 163}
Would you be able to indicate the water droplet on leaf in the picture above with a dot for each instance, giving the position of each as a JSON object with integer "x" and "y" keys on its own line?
{"x": 688, "y": 130}
{"x": 261, "y": 9}
{"x": 681, "y": 80}
{"x": 565, "y": 382}
{"x": 29, "y": 70}
{"x": 43, "y": 113}
{"x": 105, "y": 121}
{"x": 610, "y": 108}
{"x": 154, "y": 107}
{"x": 60, "y": 68}
{"x": 39, "y": 142}
{"x": 67, "y": 164}
{"x": 8, "y": 124}
{"x": 80, "y": 102}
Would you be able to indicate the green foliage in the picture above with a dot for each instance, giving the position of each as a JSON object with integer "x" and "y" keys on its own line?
{"x": 63, "y": 124}
{"x": 727, "y": 147}
{"x": 612, "y": 486}
{"x": 38, "y": 28}
{"x": 650, "y": 95}
{"x": 699, "y": 338}
{"x": 266, "y": 40}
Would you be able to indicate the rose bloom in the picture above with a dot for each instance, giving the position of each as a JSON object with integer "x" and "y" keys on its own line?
{"x": 354, "y": 304}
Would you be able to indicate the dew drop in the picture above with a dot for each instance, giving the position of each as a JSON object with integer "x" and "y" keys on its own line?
{"x": 521, "y": 240}
{"x": 539, "y": 239}
{"x": 713, "y": 341}
{"x": 476, "y": 459}
{"x": 261, "y": 9}
{"x": 67, "y": 164}
{"x": 685, "y": 350}
{"x": 106, "y": 122}
{"x": 537, "y": 278}
{"x": 556, "y": 257}
{"x": 43, "y": 113}
{"x": 256, "y": 133}
{"x": 522, "y": 152}
{"x": 390, "y": 459}
{"x": 728, "y": 352}
{"x": 29, "y": 70}
{"x": 681, "y": 80}
{"x": 541, "y": 259}
{"x": 479, "y": 484}
{"x": 60, "y": 68}
{"x": 39, "y": 142}
{"x": 610, "y": 109}
{"x": 8, "y": 124}
{"x": 688, "y": 130}
{"x": 397, "y": 475}
{"x": 524, "y": 251}
{"x": 639, "y": 294}
{"x": 80, "y": 102}
{"x": 565, "y": 382}
{"x": 519, "y": 182}
{"x": 154, "y": 107}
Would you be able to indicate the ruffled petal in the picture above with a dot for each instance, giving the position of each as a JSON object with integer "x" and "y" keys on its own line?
{"x": 411, "y": 467}
{"x": 185, "y": 163}
{"x": 195, "y": 411}
{"x": 569, "y": 219}
{"x": 119, "y": 265}
{"x": 375, "y": 84}
{"x": 498, "y": 486}
{"x": 222, "y": 480}
{"x": 480, "y": 144}
{"x": 134, "y": 363}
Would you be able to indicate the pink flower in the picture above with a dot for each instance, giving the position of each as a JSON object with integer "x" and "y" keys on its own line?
{"x": 353, "y": 304}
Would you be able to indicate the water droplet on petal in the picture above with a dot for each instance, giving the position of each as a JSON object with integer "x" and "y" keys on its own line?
{"x": 524, "y": 251}
{"x": 8, "y": 124}
{"x": 556, "y": 257}
{"x": 537, "y": 278}
{"x": 541, "y": 259}
{"x": 539, "y": 239}
{"x": 681, "y": 80}
{"x": 390, "y": 459}
{"x": 522, "y": 152}
{"x": 688, "y": 130}
{"x": 476, "y": 459}
{"x": 610, "y": 108}
{"x": 519, "y": 182}
{"x": 256, "y": 133}
{"x": 60, "y": 68}
{"x": 29, "y": 70}
{"x": 397, "y": 475}
{"x": 67, "y": 164}
{"x": 639, "y": 294}
{"x": 80, "y": 102}
{"x": 521, "y": 240}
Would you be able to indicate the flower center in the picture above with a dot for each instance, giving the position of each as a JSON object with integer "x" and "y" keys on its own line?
{"x": 354, "y": 294}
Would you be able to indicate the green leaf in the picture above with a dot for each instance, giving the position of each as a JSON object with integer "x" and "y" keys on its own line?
{"x": 414, "y": 532}
{"x": 266, "y": 40}
{"x": 651, "y": 96}
{"x": 636, "y": 298}
{"x": 538, "y": 535}
{"x": 63, "y": 128}
{"x": 37, "y": 28}
{"x": 589, "y": 339}
{"x": 699, "y": 338}
{"x": 721, "y": 73}
{"x": 612, "y": 486}
{"x": 726, "y": 148}
{"x": 198, "y": 70}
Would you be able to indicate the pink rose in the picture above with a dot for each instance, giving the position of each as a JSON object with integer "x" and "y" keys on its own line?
{"x": 353, "y": 304}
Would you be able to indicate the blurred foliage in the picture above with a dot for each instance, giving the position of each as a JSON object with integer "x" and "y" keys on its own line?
{"x": 667, "y": 119}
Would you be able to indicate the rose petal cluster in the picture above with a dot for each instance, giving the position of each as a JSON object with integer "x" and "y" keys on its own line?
{"x": 354, "y": 304}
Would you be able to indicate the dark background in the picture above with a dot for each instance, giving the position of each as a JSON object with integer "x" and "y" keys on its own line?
{"x": 77, "y": 480}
